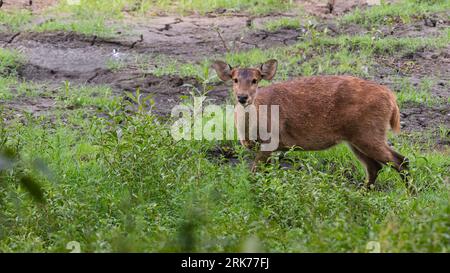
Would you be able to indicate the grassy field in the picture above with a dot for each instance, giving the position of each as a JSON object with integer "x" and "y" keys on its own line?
{"x": 98, "y": 168}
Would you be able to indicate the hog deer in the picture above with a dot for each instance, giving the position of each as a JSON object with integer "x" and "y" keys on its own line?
{"x": 318, "y": 112}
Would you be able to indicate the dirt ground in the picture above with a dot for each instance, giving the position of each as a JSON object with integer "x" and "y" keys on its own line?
{"x": 54, "y": 57}
{"x": 33, "y": 5}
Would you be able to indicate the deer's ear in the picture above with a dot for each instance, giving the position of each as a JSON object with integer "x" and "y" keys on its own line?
{"x": 223, "y": 70}
{"x": 268, "y": 69}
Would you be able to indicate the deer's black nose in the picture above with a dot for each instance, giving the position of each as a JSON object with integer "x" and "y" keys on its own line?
{"x": 242, "y": 99}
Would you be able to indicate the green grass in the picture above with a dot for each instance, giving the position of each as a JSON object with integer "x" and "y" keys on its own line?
{"x": 97, "y": 17}
{"x": 88, "y": 26}
{"x": 121, "y": 183}
{"x": 317, "y": 53}
{"x": 14, "y": 20}
{"x": 169, "y": 66}
{"x": 88, "y": 8}
{"x": 204, "y": 6}
{"x": 155, "y": 194}
{"x": 6, "y": 85}
{"x": 420, "y": 94}
{"x": 292, "y": 62}
{"x": 12, "y": 88}
{"x": 10, "y": 61}
{"x": 95, "y": 171}
{"x": 404, "y": 11}
{"x": 383, "y": 46}
{"x": 115, "y": 65}
{"x": 90, "y": 17}
{"x": 142, "y": 7}
{"x": 284, "y": 22}
{"x": 85, "y": 96}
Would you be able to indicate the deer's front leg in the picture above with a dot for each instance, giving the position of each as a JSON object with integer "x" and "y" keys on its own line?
{"x": 247, "y": 131}
{"x": 261, "y": 157}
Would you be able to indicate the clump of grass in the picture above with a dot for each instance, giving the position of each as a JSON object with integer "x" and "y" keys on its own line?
{"x": 115, "y": 65}
{"x": 91, "y": 26}
{"x": 388, "y": 13}
{"x": 117, "y": 8}
{"x": 285, "y": 22}
{"x": 96, "y": 17}
{"x": 316, "y": 53}
{"x": 419, "y": 94}
{"x": 88, "y": 8}
{"x": 169, "y": 66}
{"x": 10, "y": 61}
{"x": 10, "y": 85}
{"x": 85, "y": 96}
{"x": 14, "y": 20}
{"x": 370, "y": 44}
{"x": 6, "y": 85}
{"x": 252, "y": 6}
{"x": 88, "y": 17}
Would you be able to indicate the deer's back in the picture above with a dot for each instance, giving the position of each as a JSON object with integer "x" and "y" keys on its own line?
{"x": 318, "y": 112}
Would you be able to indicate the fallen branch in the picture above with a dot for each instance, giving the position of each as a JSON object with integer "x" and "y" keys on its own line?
{"x": 12, "y": 38}
{"x": 222, "y": 39}
{"x": 141, "y": 39}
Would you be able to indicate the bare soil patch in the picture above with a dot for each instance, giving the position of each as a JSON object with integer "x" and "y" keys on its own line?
{"x": 19, "y": 108}
{"x": 417, "y": 66}
{"x": 167, "y": 91}
{"x": 55, "y": 57}
{"x": 420, "y": 117}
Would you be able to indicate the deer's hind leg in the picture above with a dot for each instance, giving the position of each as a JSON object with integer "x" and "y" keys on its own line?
{"x": 372, "y": 166}
{"x": 379, "y": 151}
{"x": 261, "y": 157}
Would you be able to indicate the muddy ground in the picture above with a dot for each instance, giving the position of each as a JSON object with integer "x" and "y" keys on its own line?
{"x": 55, "y": 57}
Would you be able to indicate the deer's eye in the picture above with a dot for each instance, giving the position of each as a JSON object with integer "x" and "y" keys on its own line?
{"x": 254, "y": 81}
{"x": 235, "y": 80}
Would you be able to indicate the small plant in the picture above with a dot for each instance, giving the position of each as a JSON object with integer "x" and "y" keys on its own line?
{"x": 74, "y": 97}
{"x": 87, "y": 26}
{"x": 417, "y": 94}
{"x": 115, "y": 65}
{"x": 142, "y": 103}
{"x": 444, "y": 132}
{"x": 10, "y": 61}
{"x": 12, "y": 167}
{"x": 15, "y": 20}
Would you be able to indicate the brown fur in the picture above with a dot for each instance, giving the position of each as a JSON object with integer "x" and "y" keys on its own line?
{"x": 319, "y": 112}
